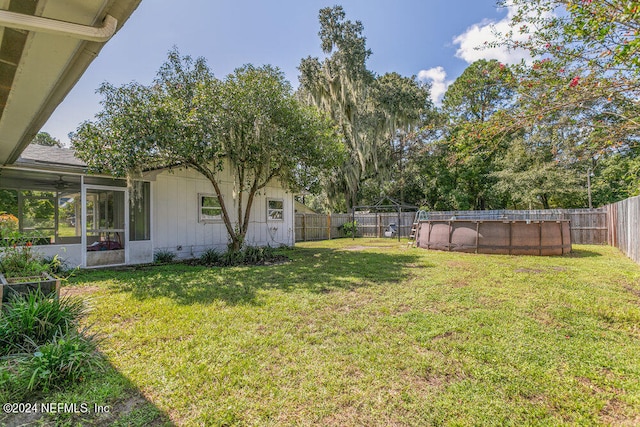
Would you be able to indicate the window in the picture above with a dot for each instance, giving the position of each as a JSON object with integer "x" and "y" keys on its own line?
{"x": 209, "y": 208}
{"x": 275, "y": 210}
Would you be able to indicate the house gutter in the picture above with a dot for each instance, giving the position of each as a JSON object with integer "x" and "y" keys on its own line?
{"x": 52, "y": 26}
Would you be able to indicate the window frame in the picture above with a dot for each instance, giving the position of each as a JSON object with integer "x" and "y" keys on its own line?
{"x": 205, "y": 218}
{"x": 270, "y": 209}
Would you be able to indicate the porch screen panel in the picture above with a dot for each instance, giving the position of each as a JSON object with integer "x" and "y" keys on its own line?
{"x": 105, "y": 218}
{"x": 140, "y": 213}
{"x": 37, "y": 213}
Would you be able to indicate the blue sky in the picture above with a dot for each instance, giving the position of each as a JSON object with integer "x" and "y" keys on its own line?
{"x": 432, "y": 39}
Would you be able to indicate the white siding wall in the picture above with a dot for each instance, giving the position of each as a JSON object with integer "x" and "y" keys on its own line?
{"x": 71, "y": 255}
{"x": 175, "y": 215}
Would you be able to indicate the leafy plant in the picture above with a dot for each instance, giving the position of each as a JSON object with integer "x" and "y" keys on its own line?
{"x": 163, "y": 256}
{"x": 350, "y": 228}
{"x": 33, "y": 319}
{"x": 66, "y": 358}
{"x": 17, "y": 258}
{"x": 250, "y": 255}
{"x": 253, "y": 254}
{"x": 210, "y": 257}
{"x": 231, "y": 257}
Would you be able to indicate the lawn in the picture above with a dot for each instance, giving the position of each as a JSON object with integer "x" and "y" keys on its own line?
{"x": 370, "y": 332}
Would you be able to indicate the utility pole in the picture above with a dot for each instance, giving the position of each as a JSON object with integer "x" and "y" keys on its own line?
{"x": 589, "y": 187}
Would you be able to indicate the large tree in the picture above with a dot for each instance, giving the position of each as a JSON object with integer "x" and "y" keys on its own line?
{"x": 586, "y": 64}
{"x": 469, "y": 106}
{"x": 250, "y": 122}
{"x": 369, "y": 110}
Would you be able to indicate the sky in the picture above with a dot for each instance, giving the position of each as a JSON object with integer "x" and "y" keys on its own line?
{"x": 431, "y": 39}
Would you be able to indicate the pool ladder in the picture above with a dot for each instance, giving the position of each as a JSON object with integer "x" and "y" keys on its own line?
{"x": 413, "y": 237}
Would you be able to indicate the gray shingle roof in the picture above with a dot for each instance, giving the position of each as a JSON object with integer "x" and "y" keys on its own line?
{"x": 43, "y": 155}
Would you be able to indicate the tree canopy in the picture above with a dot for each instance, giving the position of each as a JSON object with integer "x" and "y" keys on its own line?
{"x": 586, "y": 64}
{"x": 368, "y": 109}
{"x": 249, "y": 122}
{"x": 44, "y": 138}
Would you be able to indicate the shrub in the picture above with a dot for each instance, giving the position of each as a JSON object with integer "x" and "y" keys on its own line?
{"x": 230, "y": 258}
{"x": 33, "y": 319}
{"x": 163, "y": 256}
{"x": 210, "y": 257}
{"x": 253, "y": 254}
{"x": 55, "y": 265}
{"x": 250, "y": 255}
{"x": 19, "y": 261}
{"x": 350, "y": 228}
{"x": 17, "y": 258}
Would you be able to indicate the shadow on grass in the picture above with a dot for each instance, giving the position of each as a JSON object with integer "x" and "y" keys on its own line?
{"x": 311, "y": 270}
{"x": 583, "y": 253}
{"x": 105, "y": 398}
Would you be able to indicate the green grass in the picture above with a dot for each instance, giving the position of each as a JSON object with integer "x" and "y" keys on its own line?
{"x": 370, "y": 332}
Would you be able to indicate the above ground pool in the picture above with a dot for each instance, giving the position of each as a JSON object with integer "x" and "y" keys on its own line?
{"x": 509, "y": 237}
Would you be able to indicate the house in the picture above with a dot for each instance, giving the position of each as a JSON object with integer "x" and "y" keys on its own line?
{"x": 91, "y": 220}
{"x": 176, "y": 210}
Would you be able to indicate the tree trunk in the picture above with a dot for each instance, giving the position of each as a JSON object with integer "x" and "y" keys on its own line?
{"x": 545, "y": 201}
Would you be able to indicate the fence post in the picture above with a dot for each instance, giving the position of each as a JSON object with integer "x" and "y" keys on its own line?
{"x": 329, "y": 226}
{"x": 378, "y": 226}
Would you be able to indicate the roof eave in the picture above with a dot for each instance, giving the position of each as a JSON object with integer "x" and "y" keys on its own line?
{"x": 76, "y": 67}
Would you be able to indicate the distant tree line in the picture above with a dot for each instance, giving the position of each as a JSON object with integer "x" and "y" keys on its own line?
{"x": 558, "y": 132}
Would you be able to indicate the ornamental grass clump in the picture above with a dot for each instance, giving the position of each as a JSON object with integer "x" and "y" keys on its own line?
{"x": 210, "y": 257}
{"x": 68, "y": 357}
{"x": 41, "y": 347}
{"x": 163, "y": 257}
{"x": 30, "y": 320}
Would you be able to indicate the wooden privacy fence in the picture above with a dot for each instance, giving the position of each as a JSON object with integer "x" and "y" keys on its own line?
{"x": 330, "y": 226}
{"x": 617, "y": 224}
{"x": 624, "y": 226}
{"x": 588, "y": 226}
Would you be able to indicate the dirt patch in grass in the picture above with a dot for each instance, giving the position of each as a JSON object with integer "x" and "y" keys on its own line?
{"x": 458, "y": 284}
{"x": 635, "y": 292}
{"x": 616, "y": 413}
{"x": 73, "y": 291}
{"x": 539, "y": 271}
{"x": 443, "y": 336}
{"x": 546, "y": 319}
{"x": 459, "y": 264}
{"x": 590, "y": 385}
{"x": 131, "y": 410}
{"x": 362, "y": 248}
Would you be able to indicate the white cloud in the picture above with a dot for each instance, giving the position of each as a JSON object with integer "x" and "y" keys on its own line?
{"x": 476, "y": 35}
{"x": 437, "y": 76}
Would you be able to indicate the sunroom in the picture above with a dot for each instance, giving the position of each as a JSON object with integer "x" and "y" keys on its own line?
{"x": 87, "y": 220}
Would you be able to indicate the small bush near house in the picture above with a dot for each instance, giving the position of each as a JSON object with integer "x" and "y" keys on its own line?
{"x": 57, "y": 266}
{"x": 230, "y": 258}
{"x": 210, "y": 257}
{"x": 17, "y": 258}
{"x": 163, "y": 256}
{"x": 251, "y": 255}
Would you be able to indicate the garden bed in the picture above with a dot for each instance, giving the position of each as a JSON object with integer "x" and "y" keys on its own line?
{"x": 46, "y": 283}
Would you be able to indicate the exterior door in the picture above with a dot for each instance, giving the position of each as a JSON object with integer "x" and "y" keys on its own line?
{"x": 104, "y": 236}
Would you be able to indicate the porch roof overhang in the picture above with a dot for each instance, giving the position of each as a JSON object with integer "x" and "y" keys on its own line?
{"x": 42, "y": 59}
